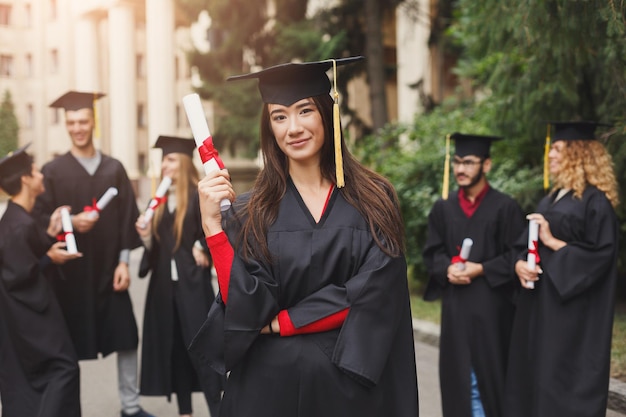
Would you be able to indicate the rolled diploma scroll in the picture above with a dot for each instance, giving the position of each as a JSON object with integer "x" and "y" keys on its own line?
{"x": 466, "y": 247}
{"x": 160, "y": 193}
{"x": 533, "y": 240}
{"x": 70, "y": 239}
{"x": 200, "y": 130}
{"x": 104, "y": 200}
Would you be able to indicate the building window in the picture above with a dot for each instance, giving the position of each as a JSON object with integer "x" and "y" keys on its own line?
{"x": 30, "y": 116}
{"x": 5, "y": 14}
{"x": 141, "y": 66}
{"x": 29, "y": 65}
{"x": 54, "y": 61}
{"x": 28, "y": 16}
{"x": 176, "y": 68}
{"x": 6, "y": 66}
{"x": 177, "y": 116}
{"x": 141, "y": 115}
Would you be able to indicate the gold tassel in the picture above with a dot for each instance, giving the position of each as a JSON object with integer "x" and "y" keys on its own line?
{"x": 337, "y": 132}
{"x": 446, "y": 171}
{"x": 546, "y": 162}
{"x": 96, "y": 122}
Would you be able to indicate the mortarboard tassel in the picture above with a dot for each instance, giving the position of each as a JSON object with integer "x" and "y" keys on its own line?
{"x": 337, "y": 132}
{"x": 446, "y": 171}
{"x": 546, "y": 162}
{"x": 96, "y": 123}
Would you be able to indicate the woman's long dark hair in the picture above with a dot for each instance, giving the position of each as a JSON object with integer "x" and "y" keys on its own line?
{"x": 370, "y": 193}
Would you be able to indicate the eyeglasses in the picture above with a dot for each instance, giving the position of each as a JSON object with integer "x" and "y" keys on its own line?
{"x": 466, "y": 163}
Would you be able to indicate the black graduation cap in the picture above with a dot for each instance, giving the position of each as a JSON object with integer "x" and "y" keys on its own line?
{"x": 477, "y": 145}
{"x": 76, "y": 100}
{"x": 581, "y": 130}
{"x": 172, "y": 144}
{"x": 287, "y": 83}
{"x": 16, "y": 163}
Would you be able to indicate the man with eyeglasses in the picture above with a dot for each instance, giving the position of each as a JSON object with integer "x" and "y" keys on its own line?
{"x": 476, "y": 288}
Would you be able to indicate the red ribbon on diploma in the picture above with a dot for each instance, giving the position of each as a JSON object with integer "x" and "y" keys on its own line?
{"x": 207, "y": 152}
{"x": 157, "y": 201}
{"x": 458, "y": 259}
{"x": 535, "y": 251}
{"x": 92, "y": 207}
{"x": 61, "y": 236}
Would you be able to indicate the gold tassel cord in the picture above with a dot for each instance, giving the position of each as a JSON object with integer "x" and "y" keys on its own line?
{"x": 546, "y": 162}
{"x": 96, "y": 122}
{"x": 446, "y": 171}
{"x": 337, "y": 132}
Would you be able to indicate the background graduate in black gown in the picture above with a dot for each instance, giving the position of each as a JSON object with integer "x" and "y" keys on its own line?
{"x": 477, "y": 302}
{"x": 561, "y": 344}
{"x": 39, "y": 374}
{"x": 93, "y": 291}
{"x": 313, "y": 315}
{"x": 180, "y": 292}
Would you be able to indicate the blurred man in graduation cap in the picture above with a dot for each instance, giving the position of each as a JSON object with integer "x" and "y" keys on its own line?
{"x": 476, "y": 291}
{"x": 561, "y": 342}
{"x": 39, "y": 373}
{"x": 313, "y": 315}
{"x": 180, "y": 292}
{"x": 93, "y": 290}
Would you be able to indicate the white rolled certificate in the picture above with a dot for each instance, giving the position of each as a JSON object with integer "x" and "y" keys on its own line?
{"x": 70, "y": 239}
{"x": 202, "y": 136}
{"x": 156, "y": 200}
{"x": 104, "y": 200}
{"x": 466, "y": 248}
{"x": 533, "y": 242}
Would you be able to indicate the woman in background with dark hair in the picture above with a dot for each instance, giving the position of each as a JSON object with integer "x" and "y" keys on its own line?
{"x": 180, "y": 291}
{"x": 313, "y": 314}
{"x": 560, "y": 349}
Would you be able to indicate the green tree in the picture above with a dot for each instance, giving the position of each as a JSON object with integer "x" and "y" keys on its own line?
{"x": 9, "y": 128}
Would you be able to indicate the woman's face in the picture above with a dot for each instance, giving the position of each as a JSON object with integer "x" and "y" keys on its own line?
{"x": 555, "y": 156}
{"x": 170, "y": 165}
{"x": 298, "y": 130}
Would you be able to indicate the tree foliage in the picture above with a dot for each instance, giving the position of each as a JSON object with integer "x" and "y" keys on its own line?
{"x": 9, "y": 128}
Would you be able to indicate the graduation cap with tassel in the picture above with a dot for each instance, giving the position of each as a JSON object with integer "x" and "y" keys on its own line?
{"x": 464, "y": 145}
{"x": 77, "y": 100}
{"x": 569, "y": 131}
{"x": 287, "y": 83}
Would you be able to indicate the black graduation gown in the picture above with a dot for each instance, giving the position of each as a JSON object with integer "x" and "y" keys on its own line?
{"x": 475, "y": 318}
{"x": 366, "y": 368}
{"x": 560, "y": 347}
{"x": 192, "y": 296}
{"x": 99, "y": 319}
{"x": 40, "y": 374}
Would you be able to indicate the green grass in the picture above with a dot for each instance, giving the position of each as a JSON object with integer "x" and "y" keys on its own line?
{"x": 431, "y": 311}
{"x": 618, "y": 350}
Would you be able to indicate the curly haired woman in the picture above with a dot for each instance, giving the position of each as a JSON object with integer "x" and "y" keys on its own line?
{"x": 560, "y": 349}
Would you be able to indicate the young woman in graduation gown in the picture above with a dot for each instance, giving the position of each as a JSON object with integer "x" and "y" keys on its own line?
{"x": 39, "y": 374}
{"x": 313, "y": 315}
{"x": 180, "y": 292}
{"x": 560, "y": 349}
